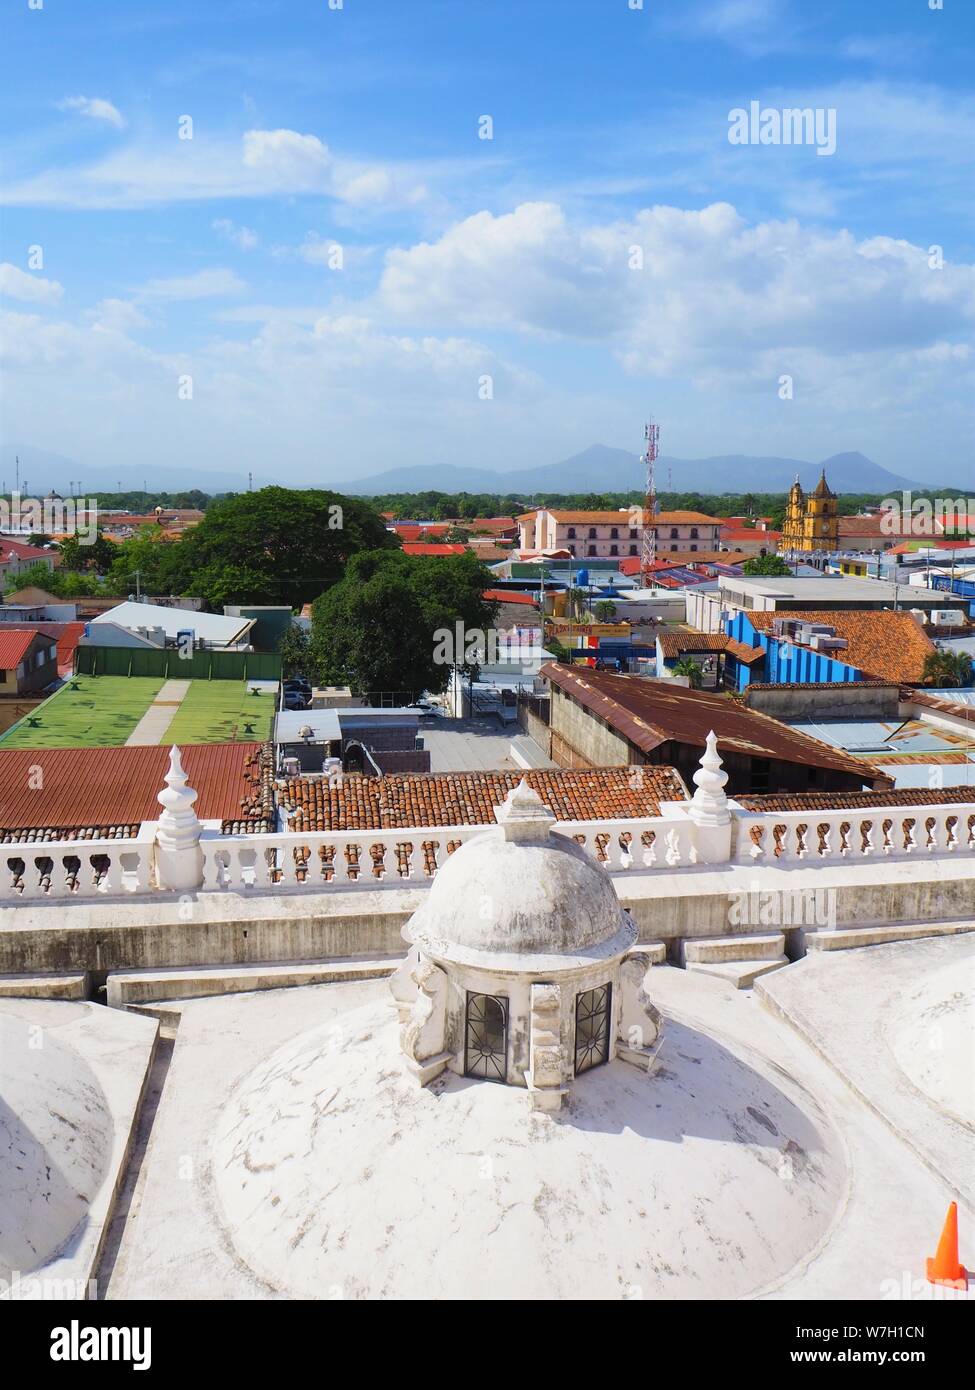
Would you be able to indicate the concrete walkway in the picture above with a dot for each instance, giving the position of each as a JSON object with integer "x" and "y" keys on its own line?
{"x": 151, "y": 728}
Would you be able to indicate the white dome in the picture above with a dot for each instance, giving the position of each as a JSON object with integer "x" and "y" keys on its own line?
{"x": 337, "y": 1176}
{"x": 56, "y": 1135}
{"x": 517, "y": 889}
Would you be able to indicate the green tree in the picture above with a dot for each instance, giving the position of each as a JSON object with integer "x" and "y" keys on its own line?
{"x": 771, "y": 565}
{"x": 376, "y": 629}
{"x": 146, "y": 563}
{"x": 278, "y": 545}
{"x": 293, "y": 648}
{"x": 99, "y": 556}
{"x": 605, "y": 610}
{"x": 63, "y": 583}
{"x": 945, "y": 668}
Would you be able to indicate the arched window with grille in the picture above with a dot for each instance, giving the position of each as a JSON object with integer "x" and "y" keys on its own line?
{"x": 486, "y": 1037}
{"x": 593, "y": 1017}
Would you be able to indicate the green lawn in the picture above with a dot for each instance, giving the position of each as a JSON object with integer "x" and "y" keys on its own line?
{"x": 222, "y": 712}
{"x": 103, "y": 711}
{"x": 100, "y": 713}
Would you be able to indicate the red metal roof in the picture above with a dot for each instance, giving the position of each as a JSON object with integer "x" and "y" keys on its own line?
{"x": 14, "y": 646}
{"x": 118, "y": 786}
{"x": 504, "y": 596}
{"x": 422, "y": 549}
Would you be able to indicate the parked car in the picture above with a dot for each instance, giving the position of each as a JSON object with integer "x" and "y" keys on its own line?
{"x": 295, "y": 699}
{"x": 297, "y": 683}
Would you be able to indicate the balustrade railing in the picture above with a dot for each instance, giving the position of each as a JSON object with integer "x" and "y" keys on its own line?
{"x": 322, "y": 860}
{"x": 76, "y": 868}
{"x": 815, "y": 837}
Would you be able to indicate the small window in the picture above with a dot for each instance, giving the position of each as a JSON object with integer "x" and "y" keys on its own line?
{"x": 572, "y": 550}
{"x": 633, "y": 533}
{"x": 486, "y": 1037}
{"x": 590, "y": 550}
{"x": 614, "y": 534}
{"x": 693, "y": 533}
{"x": 592, "y": 1028}
{"x": 571, "y": 533}
{"x": 693, "y": 547}
{"x": 592, "y": 533}
{"x": 633, "y": 550}
{"x": 673, "y": 536}
{"x": 614, "y": 550}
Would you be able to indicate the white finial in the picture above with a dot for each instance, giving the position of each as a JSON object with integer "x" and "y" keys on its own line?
{"x": 523, "y": 815}
{"x": 178, "y": 821}
{"x": 709, "y": 805}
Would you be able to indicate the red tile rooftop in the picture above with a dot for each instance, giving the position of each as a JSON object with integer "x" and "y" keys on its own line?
{"x": 14, "y": 646}
{"x": 401, "y": 802}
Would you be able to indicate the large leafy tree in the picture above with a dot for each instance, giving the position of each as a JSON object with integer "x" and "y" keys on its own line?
{"x": 278, "y": 545}
{"x": 380, "y": 628}
{"x": 772, "y": 565}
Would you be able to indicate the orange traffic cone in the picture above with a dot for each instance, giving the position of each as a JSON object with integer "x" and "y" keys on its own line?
{"x": 944, "y": 1268}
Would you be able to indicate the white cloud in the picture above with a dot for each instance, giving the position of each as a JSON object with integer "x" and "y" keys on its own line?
{"x": 32, "y": 289}
{"x": 96, "y": 108}
{"x": 205, "y": 284}
{"x": 117, "y": 316}
{"x": 716, "y": 299}
{"x": 263, "y": 164}
{"x": 242, "y": 237}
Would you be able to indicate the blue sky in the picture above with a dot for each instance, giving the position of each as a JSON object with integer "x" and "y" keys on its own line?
{"x": 487, "y": 308}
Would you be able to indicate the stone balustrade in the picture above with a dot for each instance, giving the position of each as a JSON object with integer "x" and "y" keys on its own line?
{"x": 815, "y": 837}
{"x": 77, "y": 868}
{"x": 176, "y": 854}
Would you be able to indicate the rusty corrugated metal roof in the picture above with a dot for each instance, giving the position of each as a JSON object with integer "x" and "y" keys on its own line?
{"x": 75, "y": 787}
{"x": 649, "y": 713}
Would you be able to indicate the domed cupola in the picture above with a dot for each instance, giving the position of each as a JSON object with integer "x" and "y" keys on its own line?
{"x": 516, "y": 965}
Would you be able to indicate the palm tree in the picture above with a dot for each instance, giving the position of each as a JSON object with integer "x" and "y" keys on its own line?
{"x": 690, "y": 669}
{"x": 945, "y": 668}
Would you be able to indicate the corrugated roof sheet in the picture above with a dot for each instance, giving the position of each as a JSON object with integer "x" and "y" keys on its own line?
{"x": 81, "y": 787}
{"x": 14, "y": 646}
{"x": 649, "y": 713}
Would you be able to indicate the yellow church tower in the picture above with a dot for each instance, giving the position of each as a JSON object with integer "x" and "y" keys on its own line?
{"x": 811, "y": 523}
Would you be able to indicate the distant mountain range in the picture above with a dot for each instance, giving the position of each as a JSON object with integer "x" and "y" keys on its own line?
{"x": 596, "y": 469}
{"x": 603, "y": 469}
{"x": 44, "y": 470}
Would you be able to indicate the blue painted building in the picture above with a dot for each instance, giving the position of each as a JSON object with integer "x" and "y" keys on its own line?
{"x": 786, "y": 662}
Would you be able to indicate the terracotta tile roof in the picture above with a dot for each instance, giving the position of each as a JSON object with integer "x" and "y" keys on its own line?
{"x": 22, "y": 551}
{"x": 737, "y": 535}
{"x": 819, "y": 685}
{"x": 940, "y": 702}
{"x": 648, "y": 713}
{"x": 622, "y": 518}
{"x": 675, "y": 643}
{"x": 871, "y": 526}
{"x": 468, "y": 798}
{"x": 890, "y": 646}
{"x": 488, "y": 551}
{"x": 85, "y": 787}
{"x": 14, "y": 646}
{"x": 744, "y": 653}
{"x": 851, "y": 801}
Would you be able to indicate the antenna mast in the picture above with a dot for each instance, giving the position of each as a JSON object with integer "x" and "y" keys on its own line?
{"x": 649, "y": 556}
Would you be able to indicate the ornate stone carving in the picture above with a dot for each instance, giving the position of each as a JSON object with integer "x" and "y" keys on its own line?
{"x": 423, "y": 1034}
{"x": 640, "y": 1021}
